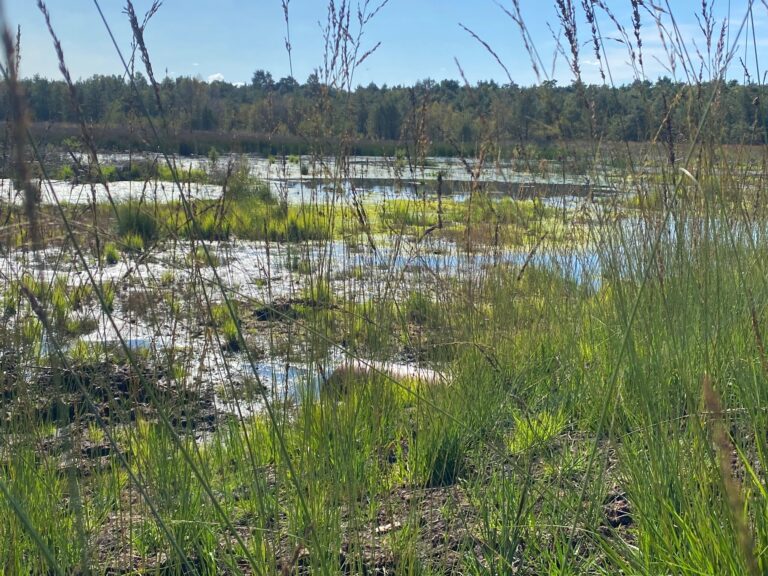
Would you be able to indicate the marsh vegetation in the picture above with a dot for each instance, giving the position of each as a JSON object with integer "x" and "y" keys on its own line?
{"x": 496, "y": 363}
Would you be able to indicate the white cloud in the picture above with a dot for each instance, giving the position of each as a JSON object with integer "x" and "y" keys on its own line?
{"x": 218, "y": 77}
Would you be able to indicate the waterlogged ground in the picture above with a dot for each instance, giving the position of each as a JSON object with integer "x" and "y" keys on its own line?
{"x": 301, "y": 168}
{"x": 520, "y": 338}
{"x": 172, "y": 299}
{"x": 162, "y": 299}
{"x": 59, "y": 191}
{"x": 310, "y": 179}
{"x": 297, "y": 304}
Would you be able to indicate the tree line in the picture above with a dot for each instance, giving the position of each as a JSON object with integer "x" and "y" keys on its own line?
{"x": 445, "y": 112}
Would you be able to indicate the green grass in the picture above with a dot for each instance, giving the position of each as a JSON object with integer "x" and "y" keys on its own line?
{"x": 606, "y": 422}
{"x": 111, "y": 253}
{"x": 132, "y": 243}
{"x": 574, "y": 415}
{"x": 136, "y": 220}
{"x": 226, "y": 323}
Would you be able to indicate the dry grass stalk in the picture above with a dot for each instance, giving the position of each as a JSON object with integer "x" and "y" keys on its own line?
{"x": 516, "y": 16}
{"x": 288, "y": 46}
{"x": 19, "y": 127}
{"x": 636, "y": 29}
{"x": 589, "y": 13}
{"x": 74, "y": 99}
{"x": 737, "y": 505}
{"x": 138, "y": 34}
{"x": 85, "y": 132}
{"x": 566, "y": 12}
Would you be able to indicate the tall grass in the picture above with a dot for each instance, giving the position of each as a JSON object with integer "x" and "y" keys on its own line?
{"x": 599, "y": 396}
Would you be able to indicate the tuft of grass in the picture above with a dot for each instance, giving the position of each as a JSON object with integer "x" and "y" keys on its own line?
{"x": 198, "y": 257}
{"x": 135, "y": 219}
{"x": 108, "y": 292}
{"x": 132, "y": 243}
{"x": 111, "y": 253}
{"x": 227, "y": 326}
{"x": 438, "y": 454}
{"x": 536, "y": 432}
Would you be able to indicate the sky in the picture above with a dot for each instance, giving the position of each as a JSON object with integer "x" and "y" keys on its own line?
{"x": 230, "y": 39}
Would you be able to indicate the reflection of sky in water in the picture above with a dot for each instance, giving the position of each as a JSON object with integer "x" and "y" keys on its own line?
{"x": 295, "y": 191}
{"x": 149, "y": 193}
{"x": 375, "y": 167}
{"x": 263, "y": 274}
{"x": 306, "y": 180}
{"x": 552, "y": 193}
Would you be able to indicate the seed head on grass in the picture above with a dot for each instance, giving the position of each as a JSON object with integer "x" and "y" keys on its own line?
{"x": 19, "y": 128}
{"x": 733, "y": 492}
{"x": 138, "y": 35}
{"x": 636, "y": 28}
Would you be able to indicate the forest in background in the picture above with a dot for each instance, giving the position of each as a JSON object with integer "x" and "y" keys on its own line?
{"x": 448, "y": 117}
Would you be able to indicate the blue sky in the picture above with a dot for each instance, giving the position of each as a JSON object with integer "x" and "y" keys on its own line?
{"x": 229, "y": 39}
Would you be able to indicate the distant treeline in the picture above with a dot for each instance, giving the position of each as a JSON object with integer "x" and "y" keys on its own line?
{"x": 442, "y": 117}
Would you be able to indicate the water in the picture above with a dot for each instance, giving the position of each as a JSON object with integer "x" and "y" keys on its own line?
{"x": 310, "y": 179}
{"x": 295, "y": 168}
{"x": 148, "y": 192}
{"x": 261, "y": 273}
